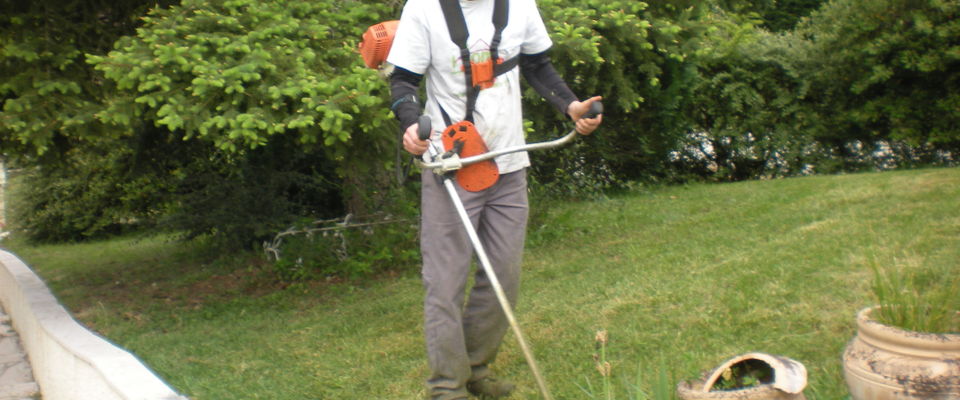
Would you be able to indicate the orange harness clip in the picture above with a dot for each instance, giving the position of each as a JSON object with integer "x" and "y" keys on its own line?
{"x": 483, "y": 74}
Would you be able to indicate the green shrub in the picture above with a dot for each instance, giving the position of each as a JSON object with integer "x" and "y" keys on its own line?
{"x": 90, "y": 194}
{"x": 884, "y": 69}
{"x": 343, "y": 248}
{"x": 239, "y": 199}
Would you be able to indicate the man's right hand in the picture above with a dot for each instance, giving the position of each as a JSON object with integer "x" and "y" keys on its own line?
{"x": 412, "y": 143}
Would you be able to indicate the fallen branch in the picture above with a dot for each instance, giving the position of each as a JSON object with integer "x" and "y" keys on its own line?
{"x": 272, "y": 248}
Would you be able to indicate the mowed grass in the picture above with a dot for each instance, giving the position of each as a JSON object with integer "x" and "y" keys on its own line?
{"x": 682, "y": 278}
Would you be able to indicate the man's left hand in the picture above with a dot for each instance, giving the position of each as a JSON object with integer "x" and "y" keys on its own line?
{"x": 577, "y": 109}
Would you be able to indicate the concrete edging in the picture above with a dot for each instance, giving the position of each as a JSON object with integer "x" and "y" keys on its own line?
{"x": 69, "y": 362}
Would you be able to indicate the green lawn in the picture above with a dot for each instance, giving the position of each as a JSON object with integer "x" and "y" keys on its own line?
{"x": 682, "y": 278}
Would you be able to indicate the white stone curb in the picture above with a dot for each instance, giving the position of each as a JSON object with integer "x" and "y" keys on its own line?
{"x": 69, "y": 362}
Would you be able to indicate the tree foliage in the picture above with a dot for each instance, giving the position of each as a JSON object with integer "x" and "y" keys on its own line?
{"x": 233, "y": 118}
{"x": 886, "y": 69}
{"x": 745, "y": 111}
{"x": 639, "y": 57}
{"x": 244, "y": 75}
{"x": 786, "y": 14}
{"x": 49, "y": 95}
{"x": 238, "y": 72}
{"x": 80, "y": 184}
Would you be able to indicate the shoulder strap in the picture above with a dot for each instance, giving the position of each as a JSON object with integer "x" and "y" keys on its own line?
{"x": 457, "y": 26}
{"x": 501, "y": 15}
{"x": 456, "y": 23}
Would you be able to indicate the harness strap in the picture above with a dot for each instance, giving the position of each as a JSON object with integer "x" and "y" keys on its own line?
{"x": 498, "y": 69}
{"x": 501, "y": 14}
{"x": 457, "y": 26}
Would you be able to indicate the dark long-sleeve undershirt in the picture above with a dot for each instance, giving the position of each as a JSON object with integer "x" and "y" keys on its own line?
{"x": 539, "y": 72}
{"x": 403, "y": 94}
{"x": 537, "y": 69}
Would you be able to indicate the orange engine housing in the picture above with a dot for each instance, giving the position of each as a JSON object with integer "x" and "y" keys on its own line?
{"x": 376, "y": 43}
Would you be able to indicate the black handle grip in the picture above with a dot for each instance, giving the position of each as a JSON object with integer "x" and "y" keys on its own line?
{"x": 596, "y": 108}
{"x": 423, "y": 131}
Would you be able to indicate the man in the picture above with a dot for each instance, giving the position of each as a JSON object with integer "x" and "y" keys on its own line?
{"x": 463, "y": 341}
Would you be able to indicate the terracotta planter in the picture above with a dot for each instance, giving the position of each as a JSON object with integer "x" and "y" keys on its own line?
{"x": 886, "y": 363}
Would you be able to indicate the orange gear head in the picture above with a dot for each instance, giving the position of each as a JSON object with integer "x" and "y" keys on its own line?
{"x": 474, "y": 177}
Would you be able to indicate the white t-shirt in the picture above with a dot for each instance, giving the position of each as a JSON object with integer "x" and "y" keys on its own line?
{"x": 423, "y": 45}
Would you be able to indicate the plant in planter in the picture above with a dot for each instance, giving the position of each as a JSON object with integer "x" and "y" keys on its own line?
{"x": 751, "y": 376}
{"x": 908, "y": 346}
{"x": 918, "y": 299}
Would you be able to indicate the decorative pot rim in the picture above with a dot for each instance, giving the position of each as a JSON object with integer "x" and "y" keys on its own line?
{"x": 694, "y": 390}
{"x": 882, "y": 335}
{"x": 789, "y": 376}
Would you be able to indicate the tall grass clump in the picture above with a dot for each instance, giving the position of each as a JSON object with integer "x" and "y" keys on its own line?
{"x": 920, "y": 298}
{"x": 644, "y": 385}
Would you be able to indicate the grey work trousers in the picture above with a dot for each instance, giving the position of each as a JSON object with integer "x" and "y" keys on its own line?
{"x": 463, "y": 340}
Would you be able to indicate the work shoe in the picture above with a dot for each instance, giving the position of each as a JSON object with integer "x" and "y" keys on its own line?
{"x": 490, "y": 388}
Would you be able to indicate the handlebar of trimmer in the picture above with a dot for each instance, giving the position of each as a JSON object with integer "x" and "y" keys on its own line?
{"x": 454, "y": 162}
{"x": 425, "y": 128}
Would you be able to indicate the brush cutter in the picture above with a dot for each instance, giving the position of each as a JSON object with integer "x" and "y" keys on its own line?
{"x": 445, "y": 164}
